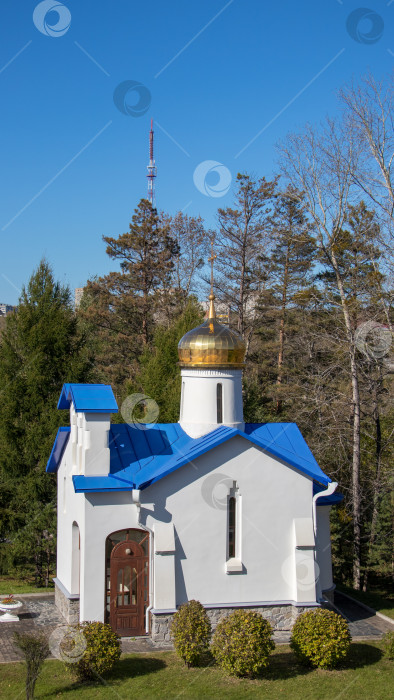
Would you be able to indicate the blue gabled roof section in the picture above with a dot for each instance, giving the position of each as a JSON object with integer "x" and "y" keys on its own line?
{"x": 98, "y": 484}
{"x": 285, "y": 440}
{"x": 88, "y": 398}
{"x": 282, "y": 440}
{"x": 57, "y": 450}
{"x": 142, "y": 455}
{"x": 184, "y": 451}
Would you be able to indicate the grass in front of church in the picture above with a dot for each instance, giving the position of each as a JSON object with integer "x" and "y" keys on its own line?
{"x": 380, "y": 600}
{"x": 11, "y": 585}
{"x": 365, "y": 674}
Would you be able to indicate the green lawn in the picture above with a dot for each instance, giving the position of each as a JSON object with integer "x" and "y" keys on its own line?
{"x": 364, "y": 675}
{"x": 382, "y": 601}
{"x": 11, "y": 585}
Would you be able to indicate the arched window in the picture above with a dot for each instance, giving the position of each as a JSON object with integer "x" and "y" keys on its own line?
{"x": 232, "y": 519}
{"x": 219, "y": 403}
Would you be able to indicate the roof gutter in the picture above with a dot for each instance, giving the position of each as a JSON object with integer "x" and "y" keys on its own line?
{"x": 328, "y": 492}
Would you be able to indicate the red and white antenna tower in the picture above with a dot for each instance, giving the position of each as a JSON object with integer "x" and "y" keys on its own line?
{"x": 152, "y": 170}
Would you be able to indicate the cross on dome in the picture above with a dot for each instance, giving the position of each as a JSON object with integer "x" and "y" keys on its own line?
{"x": 212, "y": 344}
{"x": 212, "y": 259}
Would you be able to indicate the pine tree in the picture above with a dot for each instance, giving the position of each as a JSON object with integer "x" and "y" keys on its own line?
{"x": 40, "y": 349}
{"x": 121, "y": 309}
{"x": 290, "y": 269}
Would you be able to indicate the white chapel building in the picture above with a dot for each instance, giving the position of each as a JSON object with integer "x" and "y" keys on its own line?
{"x": 233, "y": 514}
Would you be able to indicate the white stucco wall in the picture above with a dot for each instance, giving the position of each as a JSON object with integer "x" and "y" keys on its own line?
{"x": 273, "y": 494}
{"x": 194, "y": 499}
{"x": 198, "y": 414}
{"x": 69, "y": 509}
{"x": 97, "y": 516}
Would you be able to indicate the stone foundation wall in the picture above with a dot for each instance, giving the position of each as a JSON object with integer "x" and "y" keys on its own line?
{"x": 69, "y": 607}
{"x": 281, "y": 617}
{"x": 161, "y": 628}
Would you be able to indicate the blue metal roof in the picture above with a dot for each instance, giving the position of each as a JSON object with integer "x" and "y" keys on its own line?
{"x": 96, "y": 484}
{"x": 57, "y": 450}
{"x": 141, "y": 455}
{"x": 89, "y": 398}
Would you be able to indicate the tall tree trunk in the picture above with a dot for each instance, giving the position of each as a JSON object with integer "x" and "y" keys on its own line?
{"x": 356, "y": 497}
{"x": 356, "y": 473}
{"x": 241, "y": 317}
{"x": 376, "y": 485}
{"x": 280, "y": 360}
{"x": 282, "y": 332}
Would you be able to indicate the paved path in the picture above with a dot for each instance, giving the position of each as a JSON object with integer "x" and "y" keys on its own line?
{"x": 362, "y": 623}
{"x": 39, "y": 612}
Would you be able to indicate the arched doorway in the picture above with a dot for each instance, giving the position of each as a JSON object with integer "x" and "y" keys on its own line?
{"x": 127, "y": 581}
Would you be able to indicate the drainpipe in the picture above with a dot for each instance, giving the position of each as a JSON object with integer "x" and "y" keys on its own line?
{"x": 136, "y": 499}
{"x": 328, "y": 492}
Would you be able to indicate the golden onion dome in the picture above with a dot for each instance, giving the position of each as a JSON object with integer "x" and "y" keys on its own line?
{"x": 211, "y": 345}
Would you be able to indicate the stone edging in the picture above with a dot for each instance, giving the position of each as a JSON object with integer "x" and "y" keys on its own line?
{"x": 366, "y": 607}
{"x": 30, "y": 595}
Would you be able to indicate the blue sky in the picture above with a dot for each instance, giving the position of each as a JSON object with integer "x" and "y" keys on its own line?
{"x": 73, "y": 166}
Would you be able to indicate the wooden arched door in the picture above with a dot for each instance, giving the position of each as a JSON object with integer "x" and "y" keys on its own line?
{"x": 129, "y": 577}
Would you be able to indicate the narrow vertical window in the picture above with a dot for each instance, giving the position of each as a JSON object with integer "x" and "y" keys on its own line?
{"x": 182, "y": 398}
{"x": 219, "y": 403}
{"x": 231, "y": 526}
{"x": 64, "y": 494}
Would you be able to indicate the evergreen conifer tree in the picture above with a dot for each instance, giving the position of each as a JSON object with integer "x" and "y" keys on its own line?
{"x": 122, "y": 308}
{"x": 40, "y": 349}
{"x": 160, "y": 375}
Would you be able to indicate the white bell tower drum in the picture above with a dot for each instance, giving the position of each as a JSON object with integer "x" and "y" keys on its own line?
{"x": 211, "y": 358}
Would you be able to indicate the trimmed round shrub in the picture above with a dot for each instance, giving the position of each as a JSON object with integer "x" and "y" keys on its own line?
{"x": 191, "y": 632}
{"x": 101, "y": 653}
{"x": 388, "y": 645}
{"x": 320, "y": 638}
{"x": 242, "y": 643}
